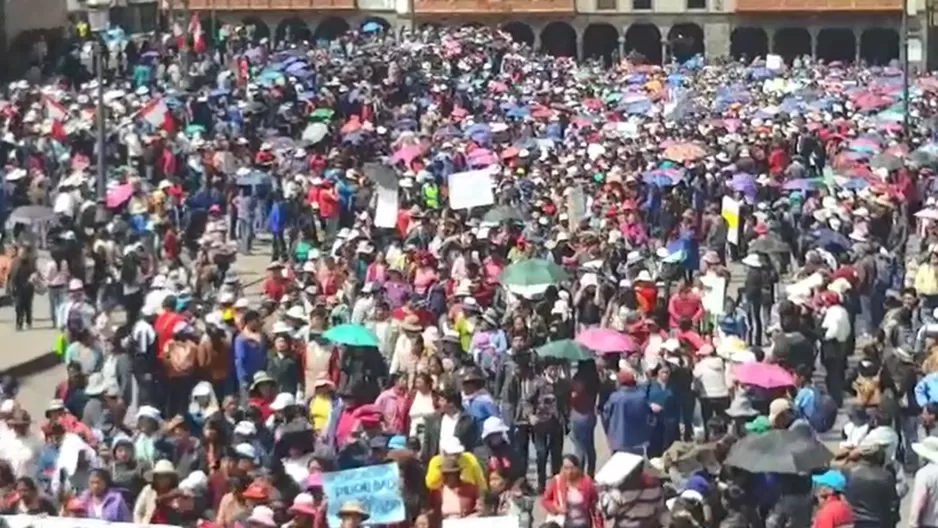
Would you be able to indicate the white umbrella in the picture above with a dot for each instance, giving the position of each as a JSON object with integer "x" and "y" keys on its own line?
{"x": 315, "y": 132}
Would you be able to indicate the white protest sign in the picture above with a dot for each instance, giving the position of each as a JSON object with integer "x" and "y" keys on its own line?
{"x": 42, "y": 521}
{"x": 386, "y": 208}
{"x": 774, "y": 62}
{"x": 502, "y": 521}
{"x": 471, "y": 189}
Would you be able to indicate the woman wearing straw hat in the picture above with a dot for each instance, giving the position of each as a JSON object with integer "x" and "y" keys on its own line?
{"x": 152, "y": 506}
{"x": 353, "y": 514}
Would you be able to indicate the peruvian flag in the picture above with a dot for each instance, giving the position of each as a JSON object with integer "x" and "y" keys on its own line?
{"x": 157, "y": 114}
{"x": 54, "y": 109}
{"x": 198, "y": 36}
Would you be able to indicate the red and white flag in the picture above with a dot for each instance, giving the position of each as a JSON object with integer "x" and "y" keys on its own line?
{"x": 54, "y": 109}
{"x": 198, "y": 36}
{"x": 157, "y": 114}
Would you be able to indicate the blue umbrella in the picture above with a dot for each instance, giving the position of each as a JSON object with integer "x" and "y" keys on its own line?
{"x": 518, "y": 112}
{"x": 658, "y": 179}
{"x": 295, "y": 67}
{"x": 371, "y": 27}
{"x": 406, "y": 124}
{"x": 800, "y": 184}
{"x": 855, "y": 184}
{"x": 478, "y": 129}
{"x": 830, "y": 240}
{"x": 353, "y": 138}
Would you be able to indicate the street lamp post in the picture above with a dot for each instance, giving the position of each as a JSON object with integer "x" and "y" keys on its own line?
{"x": 98, "y": 20}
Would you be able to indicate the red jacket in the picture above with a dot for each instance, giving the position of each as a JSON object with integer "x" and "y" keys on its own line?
{"x": 685, "y": 306}
{"x": 833, "y": 513}
{"x": 554, "y": 499}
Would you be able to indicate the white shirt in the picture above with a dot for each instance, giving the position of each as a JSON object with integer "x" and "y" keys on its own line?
{"x": 924, "y": 508}
{"x": 64, "y": 204}
{"x": 143, "y": 335}
{"x": 836, "y": 324}
{"x": 447, "y": 428}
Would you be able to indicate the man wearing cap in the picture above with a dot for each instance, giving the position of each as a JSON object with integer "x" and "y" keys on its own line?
{"x": 833, "y": 511}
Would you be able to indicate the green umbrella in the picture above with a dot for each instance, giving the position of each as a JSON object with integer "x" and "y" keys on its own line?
{"x": 322, "y": 113}
{"x": 531, "y": 277}
{"x": 565, "y": 349}
{"x": 192, "y": 130}
{"x": 351, "y": 334}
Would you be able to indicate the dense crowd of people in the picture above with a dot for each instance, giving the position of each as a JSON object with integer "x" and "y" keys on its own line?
{"x": 475, "y": 249}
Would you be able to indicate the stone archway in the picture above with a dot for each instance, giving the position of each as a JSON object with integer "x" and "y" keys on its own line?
{"x": 256, "y": 28}
{"x": 292, "y": 30}
{"x": 520, "y": 32}
{"x": 644, "y": 40}
{"x": 331, "y": 29}
{"x": 791, "y": 43}
{"x": 879, "y": 46}
{"x": 836, "y": 44}
{"x": 749, "y": 42}
{"x": 559, "y": 39}
{"x": 686, "y": 40}
{"x": 601, "y": 41}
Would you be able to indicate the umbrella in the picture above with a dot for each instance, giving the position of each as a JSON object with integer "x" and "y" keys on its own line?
{"x": 251, "y": 179}
{"x": 662, "y": 177}
{"x": 315, "y": 132}
{"x": 790, "y": 452}
{"x": 119, "y": 195}
{"x": 503, "y": 213}
{"x": 831, "y": 240}
{"x": 684, "y": 152}
{"x": 765, "y": 375}
{"x": 769, "y": 244}
{"x": 351, "y": 334}
{"x": 407, "y": 154}
{"x": 886, "y": 161}
{"x": 565, "y": 349}
{"x": 192, "y": 130}
{"x": 606, "y": 341}
{"x": 31, "y": 214}
{"x": 801, "y": 184}
{"x": 381, "y": 174}
{"x": 531, "y": 277}
{"x": 371, "y": 27}
{"x": 322, "y": 113}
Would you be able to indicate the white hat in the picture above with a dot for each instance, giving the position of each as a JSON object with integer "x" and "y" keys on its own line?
{"x": 493, "y": 425}
{"x": 296, "y": 312}
{"x": 245, "y": 428}
{"x": 246, "y": 450}
{"x": 226, "y": 298}
{"x": 644, "y": 276}
{"x": 147, "y": 411}
{"x": 164, "y": 467}
{"x": 202, "y": 388}
{"x": 451, "y": 446}
{"x": 282, "y": 401}
{"x": 927, "y": 449}
{"x": 281, "y": 328}
{"x": 242, "y": 304}
{"x": 263, "y": 516}
{"x": 752, "y": 260}
{"x": 75, "y": 285}
{"x": 158, "y": 282}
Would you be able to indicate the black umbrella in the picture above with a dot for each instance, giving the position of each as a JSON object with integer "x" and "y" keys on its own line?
{"x": 32, "y": 215}
{"x": 503, "y": 213}
{"x": 381, "y": 174}
{"x": 769, "y": 244}
{"x": 886, "y": 161}
{"x": 792, "y": 452}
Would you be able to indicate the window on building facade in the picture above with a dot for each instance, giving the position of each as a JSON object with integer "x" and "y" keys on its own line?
{"x": 696, "y": 4}
{"x": 641, "y": 5}
{"x": 606, "y": 5}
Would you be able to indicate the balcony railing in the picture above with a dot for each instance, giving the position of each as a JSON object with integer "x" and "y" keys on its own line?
{"x": 494, "y": 6}
{"x": 788, "y": 6}
{"x": 270, "y": 5}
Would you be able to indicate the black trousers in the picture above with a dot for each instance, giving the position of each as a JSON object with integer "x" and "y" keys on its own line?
{"x": 23, "y": 307}
{"x": 710, "y": 407}
{"x": 834, "y": 359}
{"x": 548, "y": 443}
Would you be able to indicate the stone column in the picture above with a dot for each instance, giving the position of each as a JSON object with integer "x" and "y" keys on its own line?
{"x": 813, "y": 31}
{"x": 856, "y": 44}
{"x": 664, "y": 30}
{"x": 579, "y": 43}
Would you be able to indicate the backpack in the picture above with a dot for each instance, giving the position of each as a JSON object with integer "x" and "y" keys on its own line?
{"x": 867, "y": 390}
{"x": 181, "y": 356}
{"x": 825, "y": 412}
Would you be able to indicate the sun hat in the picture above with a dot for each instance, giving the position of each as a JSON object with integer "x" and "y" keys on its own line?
{"x": 261, "y": 377}
{"x": 262, "y": 515}
{"x": 256, "y": 491}
{"x": 303, "y": 504}
{"x": 245, "y": 428}
{"x": 927, "y": 448}
{"x": 777, "y": 407}
{"x": 282, "y": 401}
{"x": 245, "y": 450}
{"x": 493, "y": 425}
{"x": 451, "y": 446}
{"x": 353, "y": 507}
{"x": 832, "y": 479}
{"x": 164, "y": 467}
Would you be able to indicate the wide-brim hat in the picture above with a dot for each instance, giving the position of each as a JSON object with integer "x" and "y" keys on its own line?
{"x": 354, "y": 507}
{"x": 741, "y": 407}
{"x": 927, "y": 449}
{"x": 752, "y": 260}
{"x": 261, "y": 377}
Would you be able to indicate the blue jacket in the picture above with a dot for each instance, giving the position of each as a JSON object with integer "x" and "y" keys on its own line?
{"x": 926, "y": 390}
{"x": 626, "y": 418}
{"x": 250, "y": 358}
{"x": 481, "y": 407}
{"x": 277, "y": 221}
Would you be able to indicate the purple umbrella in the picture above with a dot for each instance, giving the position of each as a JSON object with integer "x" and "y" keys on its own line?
{"x": 800, "y": 184}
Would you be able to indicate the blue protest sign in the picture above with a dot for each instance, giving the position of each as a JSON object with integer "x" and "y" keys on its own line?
{"x": 377, "y": 488}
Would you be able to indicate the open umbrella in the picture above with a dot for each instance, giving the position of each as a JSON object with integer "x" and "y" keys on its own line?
{"x": 32, "y": 215}
{"x": 765, "y": 375}
{"x": 314, "y": 133}
{"x": 790, "y": 452}
{"x": 381, "y": 174}
{"x": 886, "y": 161}
{"x": 769, "y": 244}
{"x": 322, "y": 113}
{"x": 684, "y": 152}
{"x": 606, "y": 341}
{"x": 352, "y": 335}
{"x": 119, "y": 195}
{"x": 565, "y": 349}
{"x": 531, "y": 277}
{"x": 503, "y": 213}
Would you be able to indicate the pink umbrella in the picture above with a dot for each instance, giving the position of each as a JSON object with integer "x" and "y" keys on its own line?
{"x": 482, "y": 157}
{"x": 119, "y": 195}
{"x": 606, "y": 341}
{"x": 765, "y": 375}
{"x": 407, "y": 154}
